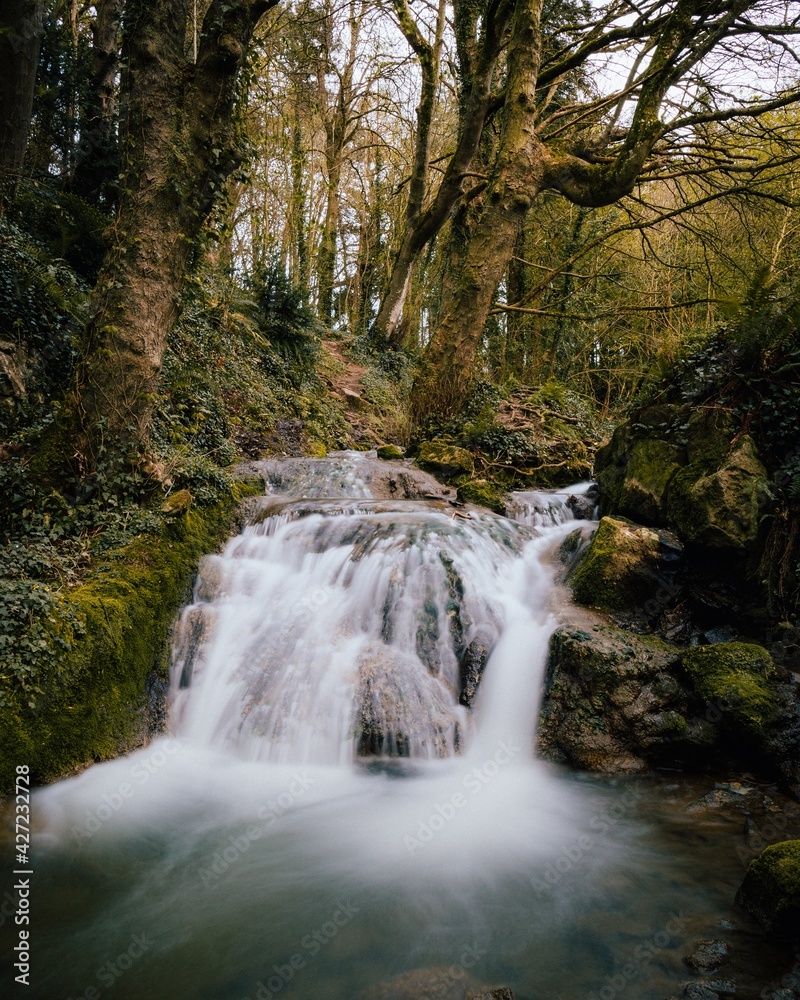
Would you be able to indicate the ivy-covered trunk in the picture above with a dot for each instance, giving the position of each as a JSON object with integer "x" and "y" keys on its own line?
{"x": 178, "y": 146}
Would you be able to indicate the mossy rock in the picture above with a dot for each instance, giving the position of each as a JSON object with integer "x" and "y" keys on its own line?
{"x": 720, "y": 509}
{"x": 771, "y": 891}
{"x": 111, "y": 632}
{"x": 732, "y": 677}
{"x": 613, "y": 702}
{"x": 651, "y": 466}
{"x": 445, "y": 458}
{"x": 621, "y": 568}
{"x": 316, "y": 449}
{"x": 390, "y": 452}
{"x": 177, "y": 503}
{"x": 483, "y": 493}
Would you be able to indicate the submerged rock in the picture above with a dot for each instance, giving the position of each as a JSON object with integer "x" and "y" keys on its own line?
{"x": 437, "y": 983}
{"x": 490, "y": 993}
{"x": 627, "y": 567}
{"x": 613, "y": 702}
{"x": 771, "y": 891}
{"x": 707, "y": 956}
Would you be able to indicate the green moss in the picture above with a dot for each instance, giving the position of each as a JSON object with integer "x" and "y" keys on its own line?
{"x": 390, "y": 452}
{"x": 482, "y": 492}
{"x": 620, "y": 559}
{"x": 771, "y": 890}
{"x": 722, "y": 509}
{"x": 445, "y": 458}
{"x": 112, "y": 632}
{"x": 733, "y": 677}
{"x": 651, "y": 465}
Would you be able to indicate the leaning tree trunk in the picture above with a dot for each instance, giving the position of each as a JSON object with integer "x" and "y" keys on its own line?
{"x": 178, "y": 146}
{"x": 21, "y": 30}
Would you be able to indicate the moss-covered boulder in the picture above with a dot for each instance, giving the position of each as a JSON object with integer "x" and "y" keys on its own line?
{"x": 483, "y": 493}
{"x": 444, "y": 458}
{"x": 732, "y": 678}
{"x": 771, "y": 891}
{"x": 625, "y": 567}
{"x": 613, "y": 701}
{"x": 651, "y": 466}
{"x": 720, "y": 509}
{"x": 689, "y": 470}
{"x": 390, "y": 452}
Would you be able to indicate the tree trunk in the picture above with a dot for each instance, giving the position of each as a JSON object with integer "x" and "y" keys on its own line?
{"x": 21, "y": 30}
{"x": 179, "y": 146}
{"x": 519, "y": 176}
{"x": 477, "y": 74}
{"x": 98, "y": 154}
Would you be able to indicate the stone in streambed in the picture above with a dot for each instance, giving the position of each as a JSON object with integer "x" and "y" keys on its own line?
{"x": 389, "y": 452}
{"x": 442, "y": 457}
{"x": 613, "y": 701}
{"x": 707, "y": 956}
{"x": 732, "y": 677}
{"x": 436, "y": 983}
{"x": 490, "y": 993}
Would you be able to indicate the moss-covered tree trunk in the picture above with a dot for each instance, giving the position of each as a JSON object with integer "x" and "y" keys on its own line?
{"x": 21, "y": 30}
{"x": 178, "y": 146}
{"x": 526, "y": 164}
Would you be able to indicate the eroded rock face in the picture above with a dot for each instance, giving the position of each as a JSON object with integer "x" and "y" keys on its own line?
{"x": 613, "y": 702}
{"x": 771, "y": 891}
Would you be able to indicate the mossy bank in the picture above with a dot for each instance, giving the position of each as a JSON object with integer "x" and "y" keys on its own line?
{"x": 104, "y": 644}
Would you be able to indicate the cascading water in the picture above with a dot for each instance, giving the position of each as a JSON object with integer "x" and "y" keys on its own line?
{"x": 348, "y": 794}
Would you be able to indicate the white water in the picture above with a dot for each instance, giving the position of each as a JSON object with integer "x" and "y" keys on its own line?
{"x": 257, "y": 823}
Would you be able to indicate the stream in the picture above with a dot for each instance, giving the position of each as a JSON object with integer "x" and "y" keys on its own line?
{"x": 330, "y": 818}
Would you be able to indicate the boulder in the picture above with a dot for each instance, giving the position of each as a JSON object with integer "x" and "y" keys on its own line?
{"x": 390, "y": 452}
{"x": 613, "y": 702}
{"x": 686, "y": 469}
{"x": 444, "y": 458}
{"x": 720, "y": 509}
{"x": 482, "y": 492}
{"x": 177, "y": 503}
{"x": 731, "y": 678}
{"x": 625, "y": 567}
{"x": 707, "y": 956}
{"x": 770, "y": 891}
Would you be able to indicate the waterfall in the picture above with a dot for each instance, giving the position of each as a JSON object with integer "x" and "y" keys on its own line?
{"x": 333, "y": 628}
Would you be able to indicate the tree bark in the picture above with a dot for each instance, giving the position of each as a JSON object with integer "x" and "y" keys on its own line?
{"x": 477, "y": 70}
{"x": 178, "y": 144}
{"x": 98, "y": 156}
{"x": 526, "y": 165}
{"x": 21, "y": 30}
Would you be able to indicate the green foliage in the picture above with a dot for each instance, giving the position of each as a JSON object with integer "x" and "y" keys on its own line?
{"x": 285, "y": 320}
{"x": 68, "y": 227}
{"x": 42, "y": 305}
